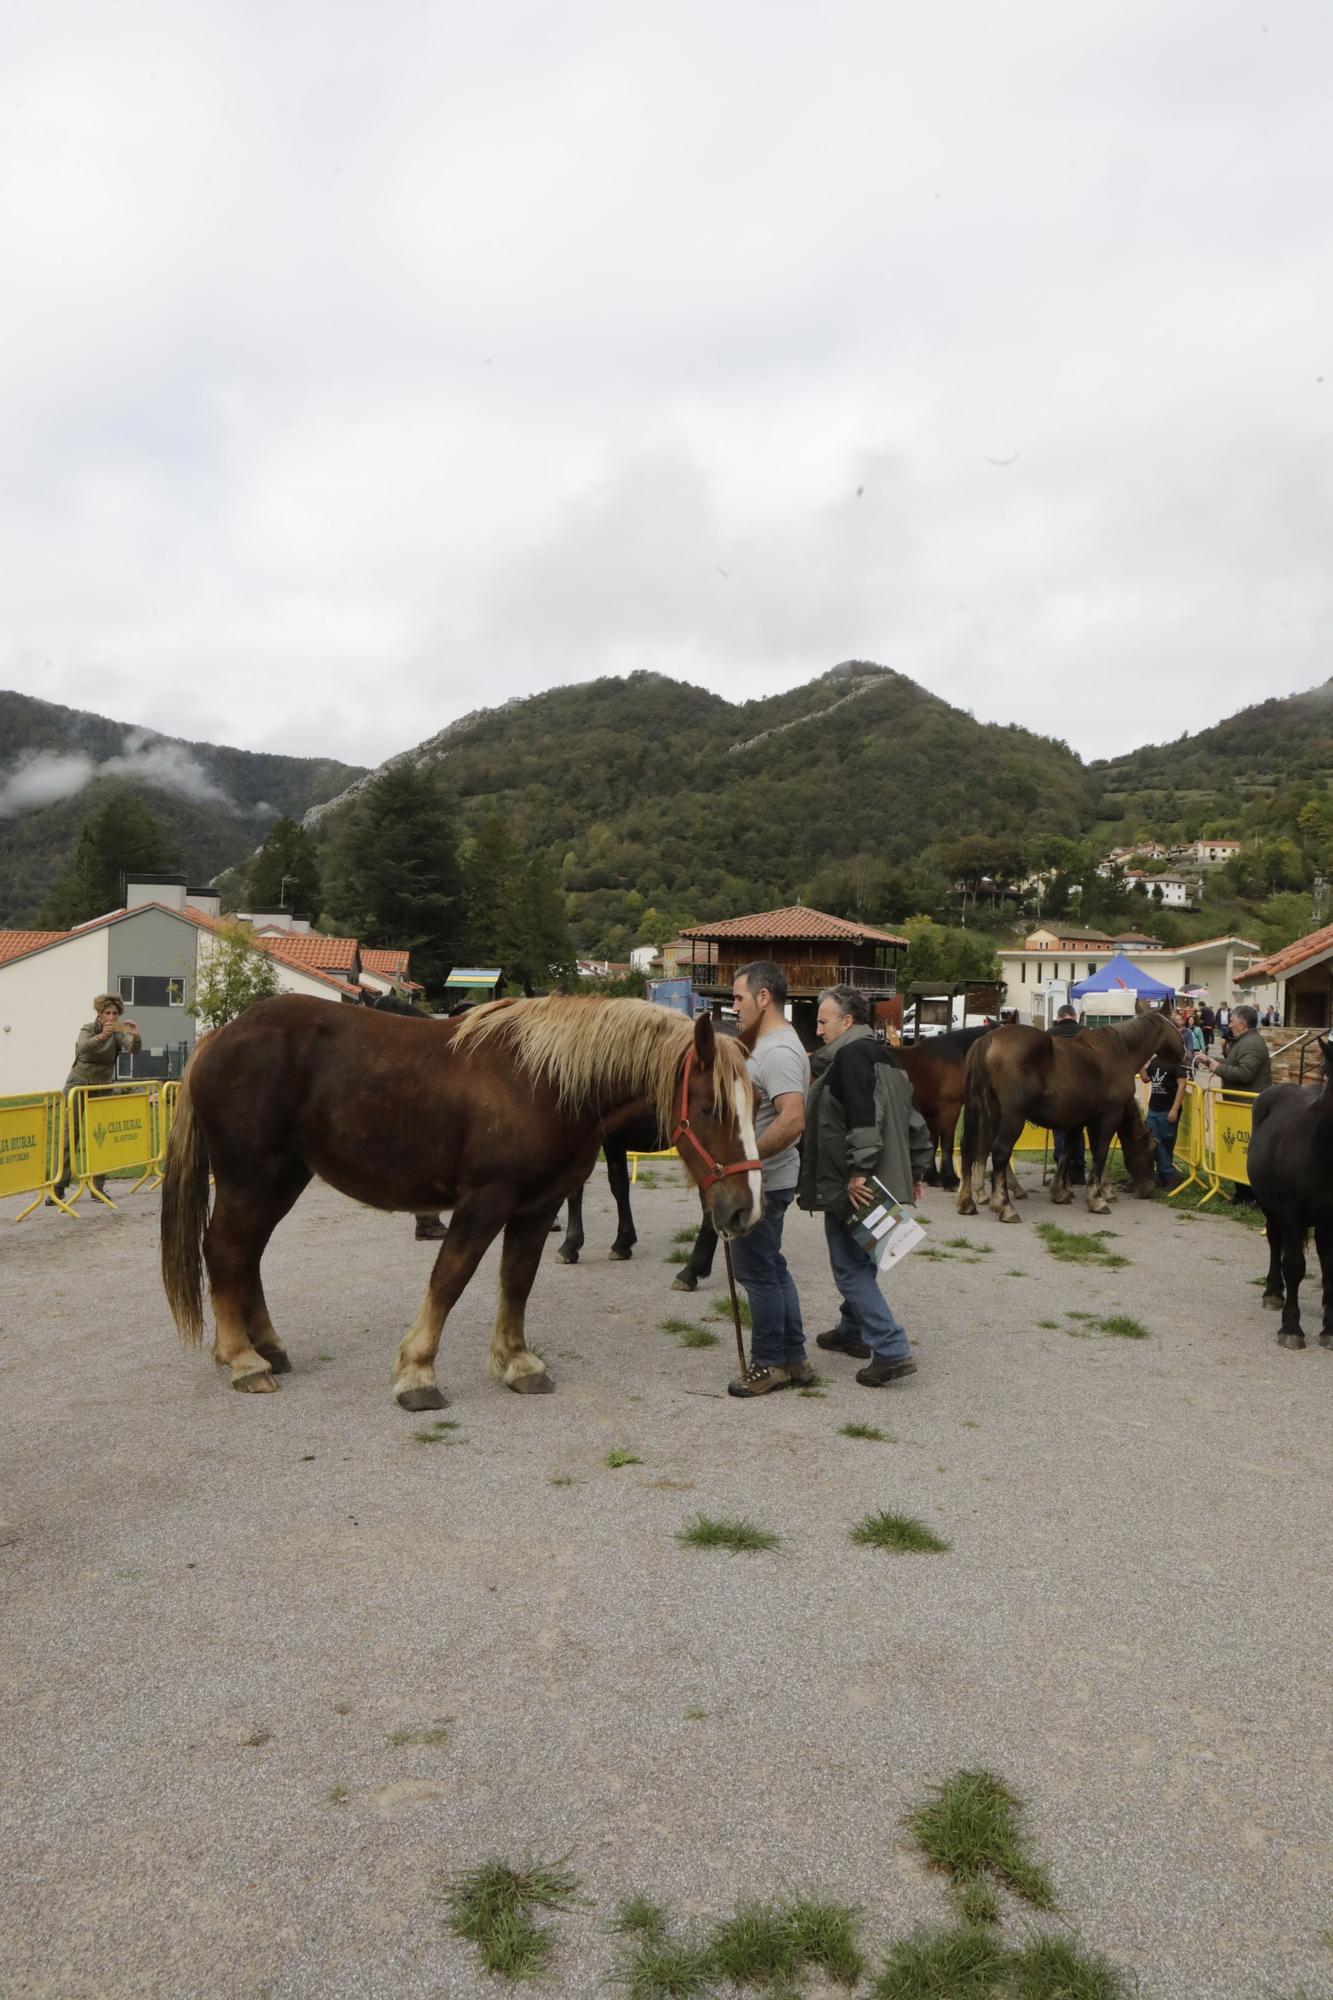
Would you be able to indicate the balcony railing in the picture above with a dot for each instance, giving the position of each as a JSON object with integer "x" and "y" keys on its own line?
{"x": 801, "y": 976}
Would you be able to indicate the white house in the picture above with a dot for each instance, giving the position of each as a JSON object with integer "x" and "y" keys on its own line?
{"x": 150, "y": 953}
{"x": 644, "y": 957}
{"x": 1214, "y": 963}
{"x": 1177, "y": 893}
{"x": 1213, "y": 851}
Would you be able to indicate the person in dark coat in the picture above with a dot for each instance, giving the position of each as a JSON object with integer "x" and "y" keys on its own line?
{"x": 1066, "y": 1023}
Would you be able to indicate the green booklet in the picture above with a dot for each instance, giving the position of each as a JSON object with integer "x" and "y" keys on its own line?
{"x": 885, "y": 1229}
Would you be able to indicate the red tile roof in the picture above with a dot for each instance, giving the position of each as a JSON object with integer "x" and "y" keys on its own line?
{"x": 1313, "y": 946}
{"x": 13, "y": 944}
{"x": 330, "y": 954}
{"x": 794, "y": 921}
{"x": 390, "y": 961}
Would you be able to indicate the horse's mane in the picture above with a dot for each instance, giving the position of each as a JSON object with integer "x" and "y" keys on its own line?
{"x": 1136, "y": 1035}
{"x": 595, "y": 1051}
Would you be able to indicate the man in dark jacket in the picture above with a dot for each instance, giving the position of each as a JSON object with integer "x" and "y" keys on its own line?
{"x": 860, "y": 1120}
{"x": 1065, "y": 1024}
{"x": 1247, "y": 1064}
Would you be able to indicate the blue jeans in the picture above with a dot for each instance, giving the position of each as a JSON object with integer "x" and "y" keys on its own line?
{"x": 1163, "y": 1135}
{"x": 776, "y": 1333}
{"x": 866, "y": 1313}
{"x": 1071, "y": 1143}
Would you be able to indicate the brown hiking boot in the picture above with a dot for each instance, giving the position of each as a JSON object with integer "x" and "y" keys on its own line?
{"x": 838, "y": 1342}
{"x": 800, "y": 1374}
{"x": 431, "y": 1229}
{"x": 880, "y": 1372}
{"x": 759, "y": 1381}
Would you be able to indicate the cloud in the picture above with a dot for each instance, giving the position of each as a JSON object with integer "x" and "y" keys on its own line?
{"x": 45, "y": 776}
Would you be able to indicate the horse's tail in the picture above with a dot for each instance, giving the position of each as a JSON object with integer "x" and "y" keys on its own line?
{"x": 184, "y": 1219}
{"x": 978, "y": 1124}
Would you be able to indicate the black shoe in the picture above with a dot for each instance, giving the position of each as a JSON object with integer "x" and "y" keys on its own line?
{"x": 838, "y": 1342}
{"x": 880, "y": 1372}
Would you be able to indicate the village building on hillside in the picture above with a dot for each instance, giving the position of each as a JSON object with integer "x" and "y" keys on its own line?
{"x": 812, "y": 950}
{"x": 151, "y": 953}
{"x": 1172, "y": 891}
{"x": 1214, "y": 963}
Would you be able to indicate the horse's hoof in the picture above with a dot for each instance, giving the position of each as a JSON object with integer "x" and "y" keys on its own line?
{"x": 567, "y": 1256}
{"x": 621, "y": 1256}
{"x": 685, "y": 1281}
{"x": 1018, "y": 1193}
{"x": 279, "y": 1363}
{"x": 1326, "y": 1340}
{"x": 1061, "y": 1197}
{"x": 1273, "y": 1302}
{"x": 967, "y": 1206}
{"x": 259, "y": 1383}
{"x": 1291, "y": 1340}
{"x": 1010, "y": 1215}
{"x": 1099, "y": 1208}
{"x": 533, "y": 1385}
{"x": 421, "y": 1399}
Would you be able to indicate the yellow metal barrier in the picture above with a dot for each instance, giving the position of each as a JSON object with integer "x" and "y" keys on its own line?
{"x": 32, "y": 1135}
{"x": 1214, "y": 1138}
{"x": 634, "y": 1158}
{"x": 113, "y": 1126}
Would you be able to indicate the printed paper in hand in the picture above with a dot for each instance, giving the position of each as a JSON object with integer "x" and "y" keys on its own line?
{"x": 884, "y": 1229}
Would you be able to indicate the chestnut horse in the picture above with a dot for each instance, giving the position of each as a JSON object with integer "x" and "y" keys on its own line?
{"x": 1019, "y": 1074}
{"x": 498, "y": 1116}
{"x": 935, "y": 1068}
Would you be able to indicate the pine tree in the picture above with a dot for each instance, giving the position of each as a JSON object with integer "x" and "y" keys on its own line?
{"x": 492, "y": 928}
{"x": 119, "y": 837}
{"x": 547, "y": 943}
{"x": 394, "y": 876}
{"x": 285, "y": 872}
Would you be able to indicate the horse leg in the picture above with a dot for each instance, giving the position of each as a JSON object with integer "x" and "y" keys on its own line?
{"x": 568, "y": 1253}
{"x": 1273, "y": 1282}
{"x": 617, "y": 1173}
{"x": 702, "y": 1252}
{"x": 1323, "y": 1238}
{"x": 511, "y": 1359}
{"x": 1006, "y": 1137}
{"x": 1293, "y": 1270}
{"x": 244, "y": 1217}
{"x": 948, "y": 1125}
{"x": 1013, "y": 1187}
{"x": 1101, "y": 1136}
{"x": 477, "y": 1221}
{"x": 1061, "y": 1192}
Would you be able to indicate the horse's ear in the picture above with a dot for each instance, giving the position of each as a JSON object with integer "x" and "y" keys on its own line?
{"x": 705, "y": 1046}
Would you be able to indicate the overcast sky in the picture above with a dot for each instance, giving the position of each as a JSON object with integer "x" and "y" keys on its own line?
{"x": 364, "y": 365}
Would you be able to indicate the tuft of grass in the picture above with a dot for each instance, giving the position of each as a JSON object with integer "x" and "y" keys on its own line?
{"x": 726, "y": 1532}
{"x": 1052, "y": 1325}
{"x": 698, "y": 1336}
{"x": 561, "y": 1479}
{"x": 1073, "y": 1247}
{"x": 965, "y": 1964}
{"x": 647, "y": 1178}
{"x": 970, "y": 1827}
{"x": 491, "y": 1907}
{"x": 677, "y": 1326}
{"x": 931, "y": 1254}
{"x": 615, "y": 1458}
{"x": 656, "y": 1966}
{"x": 438, "y": 1733}
{"x": 901, "y": 1532}
{"x": 865, "y": 1431}
{"x": 338, "y": 1795}
{"x": 684, "y": 1236}
{"x": 678, "y": 1256}
{"x": 966, "y": 1243}
{"x": 637, "y": 1917}
{"x": 721, "y": 1309}
{"x": 772, "y": 1944}
{"x": 977, "y": 1902}
{"x": 1123, "y": 1327}
{"x": 1057, "y": 1968}
{"x": 1015, "y": 1274}
{"x": 1080, "y": 1315}
{"x": 696, "y": 1715}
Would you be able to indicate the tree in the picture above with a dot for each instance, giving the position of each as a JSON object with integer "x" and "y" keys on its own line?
{"x": 516, "y": 916}
{"x": 394, "y": 877}
{"x": 119, "y": 837}
{"x": 233, "y": 976}
{"x": 285, "y": 872}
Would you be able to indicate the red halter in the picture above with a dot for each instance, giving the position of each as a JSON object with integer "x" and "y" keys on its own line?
{"x": 715, "y": 1169}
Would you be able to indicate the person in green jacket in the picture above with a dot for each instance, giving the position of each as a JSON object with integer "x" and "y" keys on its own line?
{"x": 97, "y": 1048}
{"x": 1247, "y": 1064}
{"x": 860, "y": 1119}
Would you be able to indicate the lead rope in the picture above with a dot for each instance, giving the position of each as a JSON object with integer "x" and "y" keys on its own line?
{"x": 735, "y": 1306}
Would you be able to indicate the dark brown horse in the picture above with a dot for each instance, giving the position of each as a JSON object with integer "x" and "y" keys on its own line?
{"x": 935, "y": 1067}
{"x": 498, "y": 1116}
{"x": 1019, "y": 1074}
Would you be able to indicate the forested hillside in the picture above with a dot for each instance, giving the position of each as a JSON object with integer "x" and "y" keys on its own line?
{"x": 650, "y": 795}
{"x": 60, "y": 765}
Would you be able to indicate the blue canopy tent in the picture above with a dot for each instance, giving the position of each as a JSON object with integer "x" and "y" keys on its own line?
{"x": 1121, "y": 975}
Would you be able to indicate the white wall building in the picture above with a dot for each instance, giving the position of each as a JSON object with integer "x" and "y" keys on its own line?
{"x": 1176, "y": 894}
{"x": 1214, "y": 963}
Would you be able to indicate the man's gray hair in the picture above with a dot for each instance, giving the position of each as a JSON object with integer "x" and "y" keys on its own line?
{"x": 1249, "y": 1015}
{"x": 849, "y": 1000}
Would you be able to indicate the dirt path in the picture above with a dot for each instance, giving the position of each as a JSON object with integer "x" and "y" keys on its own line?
{"x": 223, "y": 1613}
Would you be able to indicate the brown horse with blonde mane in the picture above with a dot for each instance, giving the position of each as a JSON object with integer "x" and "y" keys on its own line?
{"x": 497, "y": 1116}
{"x": 1018, "y": 1074}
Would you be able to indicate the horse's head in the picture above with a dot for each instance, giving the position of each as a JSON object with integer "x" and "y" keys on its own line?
{"x": 713, "y": 1129}
{"x": 1170, "y": 1041}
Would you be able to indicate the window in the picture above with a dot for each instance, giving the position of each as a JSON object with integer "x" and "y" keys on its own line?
{"x": 1091, "y": 968}
{"x": 149, "y": 990}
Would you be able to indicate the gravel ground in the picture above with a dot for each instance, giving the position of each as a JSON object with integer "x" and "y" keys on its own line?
{"x": 220, "y": 1609}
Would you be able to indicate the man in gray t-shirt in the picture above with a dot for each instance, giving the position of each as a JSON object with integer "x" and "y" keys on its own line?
{"x": 780, "y": 1072}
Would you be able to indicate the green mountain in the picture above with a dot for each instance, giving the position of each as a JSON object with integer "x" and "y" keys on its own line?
{"x": 214, "y": 804}
{"x": 651, "y": 795}
{"x": 1230, "y": 771}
